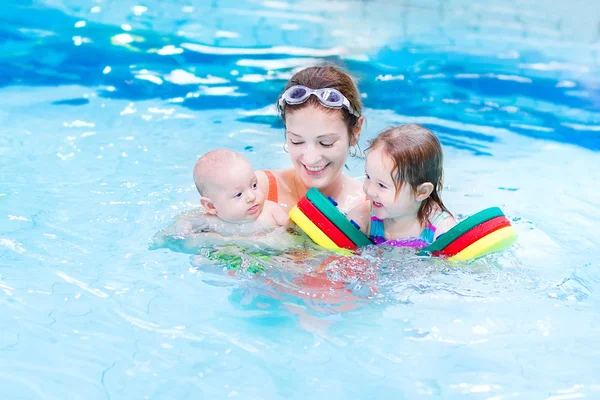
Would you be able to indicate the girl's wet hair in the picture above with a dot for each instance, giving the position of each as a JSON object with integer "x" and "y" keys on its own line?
{"x": 417, "y": 156}
{"x": 326, "y": 76}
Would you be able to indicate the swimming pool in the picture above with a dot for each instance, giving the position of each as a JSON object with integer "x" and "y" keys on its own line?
{"x": 105, "y": 107}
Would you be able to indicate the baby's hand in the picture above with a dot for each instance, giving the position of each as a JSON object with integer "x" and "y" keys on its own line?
{"x": 188, "y": 225}
{"x": 202, "y": 224}
{"x": 182, "y": 229}
{"x": 213, "y": 224}
{"x": 278, "y": 215}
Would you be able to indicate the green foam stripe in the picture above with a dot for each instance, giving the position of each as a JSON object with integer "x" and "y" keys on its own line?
{"x": 337, "y": 218}
{"x": 463, "y": 227}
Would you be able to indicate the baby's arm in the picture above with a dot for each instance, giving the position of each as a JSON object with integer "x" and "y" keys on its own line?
{"x": 361, "y": 214}
{"x": 278, "y": 214}
{"x": 201, "y": 222}
{"x": 185, "y": 224}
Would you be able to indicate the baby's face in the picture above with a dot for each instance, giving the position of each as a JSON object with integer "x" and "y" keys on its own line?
{"x": 236, "y": 195}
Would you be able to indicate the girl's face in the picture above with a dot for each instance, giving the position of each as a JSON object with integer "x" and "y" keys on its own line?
{"x": 318, "y": 145}
{"x": 379, "y": 187}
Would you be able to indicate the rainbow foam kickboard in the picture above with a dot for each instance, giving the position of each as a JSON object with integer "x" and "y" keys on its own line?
{"x": 320, "y": 219}
{"x": 485, "y": 232}
{"x": 317, "y": 235}
{"x": 325, "y": 225}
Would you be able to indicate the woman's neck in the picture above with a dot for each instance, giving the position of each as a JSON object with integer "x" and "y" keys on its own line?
{"x": 334, "y": 190}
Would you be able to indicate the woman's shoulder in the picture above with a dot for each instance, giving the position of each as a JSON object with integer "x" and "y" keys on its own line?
{"x": 362, "y": 211}
{"x": 354, "y": 196}
{"x": 281, "y": 175}
{"x": 277, "y": 181}
{"x": 361, "y": 214}
{"x": 353, "y": 182}
{"x": 265, "y": 178}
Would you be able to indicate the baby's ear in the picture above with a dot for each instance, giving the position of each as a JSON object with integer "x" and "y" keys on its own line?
{"x": 207, "y": 204}
{"x": 424, "y": 191}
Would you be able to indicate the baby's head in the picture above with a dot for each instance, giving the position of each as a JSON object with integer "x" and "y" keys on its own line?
{"x": 404, "y": 172}
{"x": 228, "y": 186}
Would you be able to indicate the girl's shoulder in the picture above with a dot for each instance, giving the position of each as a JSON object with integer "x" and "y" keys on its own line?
{"x": 442, "y": 220}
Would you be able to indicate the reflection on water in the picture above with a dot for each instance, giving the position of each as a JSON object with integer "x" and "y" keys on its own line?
{"x": 183, "y": 54}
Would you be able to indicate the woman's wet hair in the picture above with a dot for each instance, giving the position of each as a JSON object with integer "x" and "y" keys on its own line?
{"x": 326, "y": 76}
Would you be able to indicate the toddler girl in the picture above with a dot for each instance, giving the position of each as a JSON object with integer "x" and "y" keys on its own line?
{"x": 403, "y": 181}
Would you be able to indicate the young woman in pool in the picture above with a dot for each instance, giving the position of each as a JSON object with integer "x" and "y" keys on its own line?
{"x": 321, "y": 110}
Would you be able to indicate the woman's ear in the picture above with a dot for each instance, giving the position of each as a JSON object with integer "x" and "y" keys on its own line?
{"x": 207, "y": 204}
{"x": 424, "y": 190}
{"x": 356, "y": 130}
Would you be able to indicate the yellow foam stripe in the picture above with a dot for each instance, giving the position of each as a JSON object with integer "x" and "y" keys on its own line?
{"x": 498, "y": 240}
{"x": 311, "y": 229}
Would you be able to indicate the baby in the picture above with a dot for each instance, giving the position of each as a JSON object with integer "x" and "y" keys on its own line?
{"x": 231, "y": 196}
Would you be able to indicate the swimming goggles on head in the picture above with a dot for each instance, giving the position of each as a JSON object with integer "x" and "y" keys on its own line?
{"x": 331, "y": 98}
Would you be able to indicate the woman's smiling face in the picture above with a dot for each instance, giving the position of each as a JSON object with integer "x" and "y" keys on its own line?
{"x": 318, "y": 143}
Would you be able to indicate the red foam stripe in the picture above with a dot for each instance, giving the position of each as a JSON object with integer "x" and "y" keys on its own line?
{"x": 325, "y": 224}
{"x": 473, "y": 235}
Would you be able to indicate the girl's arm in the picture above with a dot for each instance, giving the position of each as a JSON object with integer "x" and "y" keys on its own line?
{"x": 445, "y": 226}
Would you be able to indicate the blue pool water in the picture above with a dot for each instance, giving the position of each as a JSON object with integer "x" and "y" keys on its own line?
{"x": 105, "y": 107}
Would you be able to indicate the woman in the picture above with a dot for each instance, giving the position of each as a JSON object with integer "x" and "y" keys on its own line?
{"x": 321, "y": 111}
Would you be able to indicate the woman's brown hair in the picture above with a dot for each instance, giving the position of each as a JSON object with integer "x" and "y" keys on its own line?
{"x": 417, "y": 156}
{"x": 326, "y": 76}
